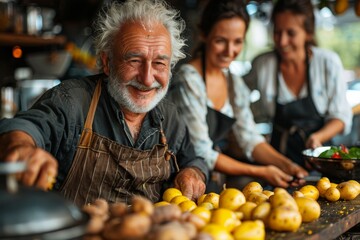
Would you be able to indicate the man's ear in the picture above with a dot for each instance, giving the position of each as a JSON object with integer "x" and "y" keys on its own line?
{"x": 105, "y": 61}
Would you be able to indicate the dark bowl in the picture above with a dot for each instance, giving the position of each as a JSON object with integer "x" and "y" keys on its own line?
{"x": 335, "y": 169}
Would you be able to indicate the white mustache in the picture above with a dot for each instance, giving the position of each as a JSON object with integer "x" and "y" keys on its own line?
{"x": 142, "y": 87}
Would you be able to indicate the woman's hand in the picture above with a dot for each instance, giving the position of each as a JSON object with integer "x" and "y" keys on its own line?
{"x": 191, "y": 183}
{"x": 313, "y": 142}
{"x": 297, "y": 172}
{"x": 275, "y": 177}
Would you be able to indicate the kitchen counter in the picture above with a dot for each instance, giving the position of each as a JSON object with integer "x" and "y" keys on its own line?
{"x": 336, "y": 219}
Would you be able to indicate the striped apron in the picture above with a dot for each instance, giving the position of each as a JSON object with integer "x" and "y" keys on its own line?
{"x": 102, "y": 168}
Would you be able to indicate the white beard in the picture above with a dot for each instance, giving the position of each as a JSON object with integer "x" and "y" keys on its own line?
{"x": 119, "y": 91}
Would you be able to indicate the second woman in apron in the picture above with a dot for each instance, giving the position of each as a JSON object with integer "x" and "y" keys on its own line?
{"x": 301, "y": 86}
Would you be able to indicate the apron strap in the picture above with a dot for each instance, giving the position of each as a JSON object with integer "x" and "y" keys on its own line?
{"x": 168, "y": 153}
{"x": 86, "y": 134}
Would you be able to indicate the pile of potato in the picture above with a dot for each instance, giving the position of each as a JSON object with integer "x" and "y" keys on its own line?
{"x": 140, "y": 220}
{"x": 233, "y": 214}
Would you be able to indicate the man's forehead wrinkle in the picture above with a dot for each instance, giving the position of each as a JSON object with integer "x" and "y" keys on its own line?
{"x": 132, "y": 54}
{"x": 139, "y": 54}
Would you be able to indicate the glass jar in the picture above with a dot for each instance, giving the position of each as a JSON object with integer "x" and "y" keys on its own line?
{"x": 6, "y": 15}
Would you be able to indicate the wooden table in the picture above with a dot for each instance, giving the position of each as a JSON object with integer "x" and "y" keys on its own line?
{"x": 336, "y": 218}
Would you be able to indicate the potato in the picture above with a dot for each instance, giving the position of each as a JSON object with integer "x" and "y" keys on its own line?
{"x": 268, "y": 192}
{"x": 297, "y": 194}
{"x": 95, "y": 225}
{"x": 282, "y": 198}
{"x": 172, "y": 230}
{"x": 166, "y": 213}
{"x": 131, "y": 226}
{"x": 231, "y": 198}
{"x": 261, "y": 212}
{"x": 250, "y": 230}
{"x": 194, "y": 219}
{"x": 257, "y": 197}
{"x": 140, "y": 204}
{"x": 322, "y": 185}
{"x": 332, "y": 194}
{"x": 284, "y": 219}
{"x": 308, "y": 208}
{"x": 252, "y": 187}
{"x": 310, "y": 191}
{"x": 118, "y": 209}
{"x": 348, "y": 191}
{"x": 247, "y": 209}
{"x": 356, "y": 184}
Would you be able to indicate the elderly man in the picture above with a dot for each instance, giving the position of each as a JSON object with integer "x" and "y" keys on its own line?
{"x": 110, "y": 135}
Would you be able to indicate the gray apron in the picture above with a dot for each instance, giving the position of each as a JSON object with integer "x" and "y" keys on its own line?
{"x": 102, "y": 168}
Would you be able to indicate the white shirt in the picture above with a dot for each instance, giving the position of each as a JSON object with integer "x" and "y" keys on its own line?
{"x": 191, "y": 98}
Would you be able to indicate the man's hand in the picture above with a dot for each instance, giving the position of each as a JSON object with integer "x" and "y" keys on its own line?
{"x": 191, "y": 183}
{"x": 41, "y": 168}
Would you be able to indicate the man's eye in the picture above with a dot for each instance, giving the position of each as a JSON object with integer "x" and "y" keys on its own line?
{"x": 134, "y": 62}
{"x": 159, "y": 65}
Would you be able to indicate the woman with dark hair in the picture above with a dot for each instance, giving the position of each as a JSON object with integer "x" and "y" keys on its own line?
{"x": 300, "y": 84}
{"x": 214, "y": 102}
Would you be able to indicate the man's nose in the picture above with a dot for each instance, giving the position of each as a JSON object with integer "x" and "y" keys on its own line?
{"x": 147, "y": 74}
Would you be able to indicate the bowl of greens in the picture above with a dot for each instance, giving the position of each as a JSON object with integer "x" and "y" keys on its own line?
{"x": 338, "y": 163}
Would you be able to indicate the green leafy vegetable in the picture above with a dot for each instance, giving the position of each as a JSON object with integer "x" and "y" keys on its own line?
{"x": 341, "y": 152}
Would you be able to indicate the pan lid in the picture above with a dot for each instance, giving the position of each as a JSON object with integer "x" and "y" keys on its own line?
{"x": 27, "y": 212}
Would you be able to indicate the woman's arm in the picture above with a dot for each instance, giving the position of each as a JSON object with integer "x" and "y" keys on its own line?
{"x": 326, "y": 133}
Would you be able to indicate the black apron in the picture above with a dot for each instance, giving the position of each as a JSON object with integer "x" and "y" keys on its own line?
{"x": 294, "y": 122}
{"x": 219, "y": 126}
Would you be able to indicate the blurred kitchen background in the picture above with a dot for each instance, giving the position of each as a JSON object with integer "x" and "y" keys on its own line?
{"x": 45, "y": 41}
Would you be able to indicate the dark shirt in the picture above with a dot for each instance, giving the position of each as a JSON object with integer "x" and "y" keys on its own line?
{"x": 57, "y": 119}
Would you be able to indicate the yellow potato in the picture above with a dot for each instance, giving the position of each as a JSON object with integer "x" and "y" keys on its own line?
{"x": 212, "y": 198}
{"x": 187, "y": 206}
{"x": 308, "y": 208}
{"x": 348, "y": 191}
{"x": 201, "y": 199}
{"x": 224, "y": 217}
{"x": 202, "y": 212}
{"x": 217, "y": 232}
{"x": 268, "y": 193}
{"x": 179, "y": 199}
{"x": 257, "y": 197}
{"x": 261, "y": 212}
{"x": 297, "y": 194}
{"x": 231, "y": 198}
{"x": 356, "y": 184}
{"x": 247, "y": 209}
{"x": 170, "y": 193}
{"x": 206, "y": 205}
{"x": 332, "y": 194}
{"x": 252, "y": 187}
{"x": 322, "y": 185}
{"x": 282, "y": 198}
{"x": 250, "y": 230}
{"x": 310, "y": 191}
{"x": 284, "y": 219}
